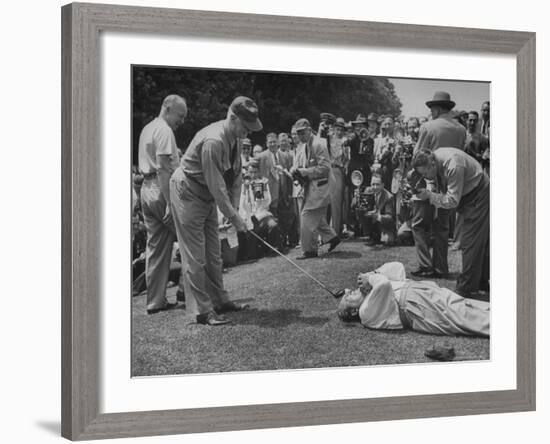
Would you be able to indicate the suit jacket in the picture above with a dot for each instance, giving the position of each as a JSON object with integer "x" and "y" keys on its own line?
{"x": 314, "y": 162}
{"x": 441, "y": 132}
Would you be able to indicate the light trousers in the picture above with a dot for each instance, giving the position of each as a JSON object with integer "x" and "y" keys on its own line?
{"x": 160, "y": 238}
{"x": 314, "y": 223}
{"x": 196, "y": 221}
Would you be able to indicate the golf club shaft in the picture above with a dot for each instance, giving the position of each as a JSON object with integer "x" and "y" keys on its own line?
{"x": 323, "y": 286}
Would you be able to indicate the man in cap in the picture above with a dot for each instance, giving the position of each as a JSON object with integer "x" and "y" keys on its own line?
{"x": 288, "y": 219}
{"x": 387, "y": 300}
{"x": 275, "y": 170}
{"x": 462, "y": 185}
{"x": 210, "y": 176}
{"x": 246, "y": 153}
{"x": 158, "y": 158}
{"x": 361, "y": 146}
{"x": 339, "y": 159}
{"x": 441, "y": 131}
{"x": 384, "y": 150}
{"x": 326, "y": 126}
{"x": 312, "y": 168}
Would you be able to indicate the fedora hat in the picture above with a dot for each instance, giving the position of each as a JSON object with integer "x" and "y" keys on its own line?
{"x": 373, "y": 117}
{"x": 328, "y": 117}
{"x": 441, "y": 98}
{"x": 340, "y": 122}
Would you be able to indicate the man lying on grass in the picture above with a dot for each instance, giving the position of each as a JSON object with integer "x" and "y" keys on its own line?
{"x": 386, "y": 299}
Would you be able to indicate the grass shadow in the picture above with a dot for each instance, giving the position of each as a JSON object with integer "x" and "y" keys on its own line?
{"x": 343, "y": 255}
{"x": 278, "y": 318}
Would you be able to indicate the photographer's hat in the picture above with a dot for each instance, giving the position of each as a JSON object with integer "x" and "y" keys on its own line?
{"x": 372, "y": 117}
{"x": 441, "y": 98}
{"x": 359, "y": 119}
{"x": 340, "y": 122}
{"x": 302, "y": 124}
{"x": 328, "y": 117}
{"x": 247, "y": 111}
{"x": 246, "y": 142}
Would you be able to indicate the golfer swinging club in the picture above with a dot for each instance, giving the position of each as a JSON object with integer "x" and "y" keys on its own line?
{"x": 210, "y": 176}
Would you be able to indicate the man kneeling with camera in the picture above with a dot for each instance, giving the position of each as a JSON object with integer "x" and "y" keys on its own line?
{"x": 376, "y": 212}
{"x": 254, "y": 210}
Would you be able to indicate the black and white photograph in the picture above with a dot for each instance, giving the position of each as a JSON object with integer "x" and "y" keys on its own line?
{"x": 285, "y": 221}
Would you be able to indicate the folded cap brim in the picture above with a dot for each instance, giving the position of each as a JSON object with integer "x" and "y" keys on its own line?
{"x": 254, "y": 126}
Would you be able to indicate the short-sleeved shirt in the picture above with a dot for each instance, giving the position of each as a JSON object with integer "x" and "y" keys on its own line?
{"x": 156, "y": 139}
{"x": 213, "y": 160}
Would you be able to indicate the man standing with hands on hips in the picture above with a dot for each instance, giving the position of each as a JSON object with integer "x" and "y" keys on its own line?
{"x": 210, "y": 176}
{"x": 158, "y": 158}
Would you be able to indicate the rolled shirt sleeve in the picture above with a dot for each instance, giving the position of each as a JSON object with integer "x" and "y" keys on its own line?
{"x": 212, "y": 169}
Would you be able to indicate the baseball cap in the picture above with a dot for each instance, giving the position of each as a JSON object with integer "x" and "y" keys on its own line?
{"x": 247, "y": 111}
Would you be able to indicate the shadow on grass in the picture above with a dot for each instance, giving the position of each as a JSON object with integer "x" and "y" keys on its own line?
{"x": 343, "y": 255}
{"x": 278, "y": 318}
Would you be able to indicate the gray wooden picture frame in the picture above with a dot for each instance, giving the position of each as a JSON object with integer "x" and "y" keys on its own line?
{"x": 81, "y": 254}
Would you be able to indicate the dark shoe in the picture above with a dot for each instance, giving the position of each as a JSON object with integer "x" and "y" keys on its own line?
{"x": 230, "y": 306}
{"x": 440, "y": 353}
{"x": 334, "y": 243}
{"x": 212, "y": 318}
{"x": 168, "y": 306}
{"x": 423, "y": 272}
{"x": 308, "y": 255}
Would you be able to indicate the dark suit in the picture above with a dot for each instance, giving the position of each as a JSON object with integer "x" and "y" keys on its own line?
{"x": 382, "y": 220}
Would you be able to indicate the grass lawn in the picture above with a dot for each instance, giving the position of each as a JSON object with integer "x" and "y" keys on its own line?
{"x": 291, "y": 322}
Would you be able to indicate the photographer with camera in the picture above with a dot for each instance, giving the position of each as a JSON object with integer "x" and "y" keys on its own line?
{"x": 311, "y": 170}
{"x": 384, "y": 149}
{"x": 441, "y": 131}
{"x": 463, "y": 185}
{"x": 339, "y": 160}
{"x": 254, "y": 210}
{"x": 361, "y": 145}
{"x": 376, "y": 212}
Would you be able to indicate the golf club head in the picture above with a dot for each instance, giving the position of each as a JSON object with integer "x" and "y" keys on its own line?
{"x": 338, "y": 294}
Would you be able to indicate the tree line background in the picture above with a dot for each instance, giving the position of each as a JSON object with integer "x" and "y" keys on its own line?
{"x": 282, "y": 98}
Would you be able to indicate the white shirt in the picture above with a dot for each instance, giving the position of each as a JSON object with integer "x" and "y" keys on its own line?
{"x": 380, "y": 309}
{"x": 156, "y": 138}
